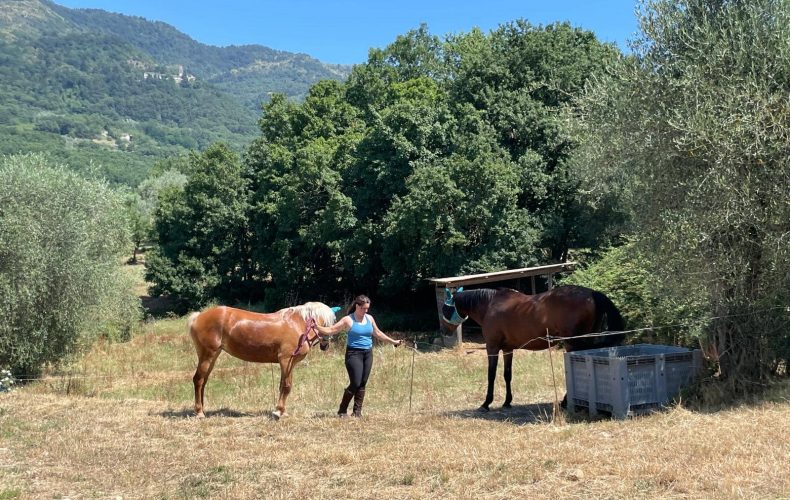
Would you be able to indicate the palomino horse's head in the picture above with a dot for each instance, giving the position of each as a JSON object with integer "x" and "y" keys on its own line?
{"x": 322, "y": 314}
{"x": 451, "y": 319}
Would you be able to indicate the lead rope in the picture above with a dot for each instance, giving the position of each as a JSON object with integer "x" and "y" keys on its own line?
{"x": 274, "y": 399}
{"x": 308, "y": 325}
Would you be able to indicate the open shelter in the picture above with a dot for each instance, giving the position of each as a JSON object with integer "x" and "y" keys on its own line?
{"x": 455, "y": 282}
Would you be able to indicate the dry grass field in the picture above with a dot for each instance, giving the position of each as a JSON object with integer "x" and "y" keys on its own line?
{"x": 122, "y": 426}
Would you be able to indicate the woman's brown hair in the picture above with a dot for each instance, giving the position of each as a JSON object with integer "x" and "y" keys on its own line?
{"x": 360, "y": 300}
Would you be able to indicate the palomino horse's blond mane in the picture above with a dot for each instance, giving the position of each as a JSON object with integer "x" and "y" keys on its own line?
{"x": 319, "y": 311}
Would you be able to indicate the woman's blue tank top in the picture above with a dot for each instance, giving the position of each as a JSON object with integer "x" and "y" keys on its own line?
{"x": 361, "y": 334}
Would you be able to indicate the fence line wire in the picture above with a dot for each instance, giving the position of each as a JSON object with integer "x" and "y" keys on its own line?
{"x": 415, "y": 343}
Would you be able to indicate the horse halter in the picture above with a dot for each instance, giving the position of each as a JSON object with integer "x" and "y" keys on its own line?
{"x": 455, "y": 319}
{"x": 309, "y": 325}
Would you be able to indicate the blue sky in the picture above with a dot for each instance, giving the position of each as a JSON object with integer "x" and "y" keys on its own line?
{"x": 342, "y": 31}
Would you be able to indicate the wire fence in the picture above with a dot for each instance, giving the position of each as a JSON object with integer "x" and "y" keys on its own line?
{"x": 412, "y": 344}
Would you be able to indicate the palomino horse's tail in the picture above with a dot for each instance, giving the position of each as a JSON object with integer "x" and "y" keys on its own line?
{"x": 608, "y": 319}
{"x": 192, "y": 318}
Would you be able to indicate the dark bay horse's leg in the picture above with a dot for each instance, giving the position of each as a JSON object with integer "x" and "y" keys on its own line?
{"x": 493, "y": 359}
{"x": 286, "y": 377}
{"x": 206, "y": 360}
{"x": 507, "y": 357}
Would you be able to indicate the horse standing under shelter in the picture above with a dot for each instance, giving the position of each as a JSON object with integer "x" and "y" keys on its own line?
{"x": 283, "y": 337}
{"x": 513, "y": 320}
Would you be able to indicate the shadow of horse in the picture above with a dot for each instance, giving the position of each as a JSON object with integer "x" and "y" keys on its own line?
{"x": 536, "y": 413}
{"x": 222, "y": 412}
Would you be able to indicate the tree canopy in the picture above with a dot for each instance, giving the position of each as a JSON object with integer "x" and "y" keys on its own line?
{"x": 433, "y": 158}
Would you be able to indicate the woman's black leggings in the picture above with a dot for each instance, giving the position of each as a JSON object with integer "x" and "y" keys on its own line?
{"x": 358, "y": 364}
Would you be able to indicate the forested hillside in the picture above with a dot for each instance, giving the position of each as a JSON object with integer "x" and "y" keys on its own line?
{"x": 114, "y": 92}
{"x": 249, "y": 73}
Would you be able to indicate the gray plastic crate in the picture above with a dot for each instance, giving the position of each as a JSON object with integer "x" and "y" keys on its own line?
{"x": 629, "y": 380}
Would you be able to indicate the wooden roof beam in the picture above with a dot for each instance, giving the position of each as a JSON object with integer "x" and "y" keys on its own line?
{"x": 475, "y": 279}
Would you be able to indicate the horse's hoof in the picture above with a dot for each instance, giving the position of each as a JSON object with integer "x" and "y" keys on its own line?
{"x": 277, "y": 414}
{"x": 200, "y": 415}
{"x": 483, "y": 409}
{"x": 506, "y": 406}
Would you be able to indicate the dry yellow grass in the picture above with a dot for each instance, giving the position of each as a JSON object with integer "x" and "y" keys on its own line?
{"x": 127, "y": 431}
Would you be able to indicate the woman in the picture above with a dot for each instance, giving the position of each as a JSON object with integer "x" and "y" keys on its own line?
{"x": 361, "y": 329}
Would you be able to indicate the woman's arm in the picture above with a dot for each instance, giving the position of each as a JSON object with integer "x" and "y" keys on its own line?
{"x": 341, "y": 326}
{"x": 381, "y": 335}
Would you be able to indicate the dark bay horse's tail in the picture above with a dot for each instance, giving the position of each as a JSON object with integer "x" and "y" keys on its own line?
{"x": 607, "y": 319}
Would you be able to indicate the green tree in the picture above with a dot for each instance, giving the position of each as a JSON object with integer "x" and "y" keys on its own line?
{"x": 142, "y": 204}
{"x": 519, "y": 80}
{"x": 692, "y": 132}
{"x": 61, "y": 280}
{"x": 301, "y": 216}
{"x": 459, "y": 214}
{"x": 202, "y": 232}
{"x": 435, "y": 157}
{"x": 140, "y": 220}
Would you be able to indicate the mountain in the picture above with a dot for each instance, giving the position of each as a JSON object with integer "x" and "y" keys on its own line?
{"x": 95, "y": 88}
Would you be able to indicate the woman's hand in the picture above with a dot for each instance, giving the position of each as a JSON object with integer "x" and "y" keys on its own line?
{"x": 326, "y": 330}
{"x": 341, "y": 326}
{"x": 396, "y": 343}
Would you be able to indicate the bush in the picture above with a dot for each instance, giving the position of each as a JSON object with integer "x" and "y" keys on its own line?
{"x": 6, "y": 380}
{"x": 624, "y": 274}
{"x": 61, "y": 280}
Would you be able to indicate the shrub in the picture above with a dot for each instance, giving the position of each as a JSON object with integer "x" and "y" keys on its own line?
{"x": 625, "y": 275}
{"x": 6, "y": 380}
{"x": 61, "y": 280}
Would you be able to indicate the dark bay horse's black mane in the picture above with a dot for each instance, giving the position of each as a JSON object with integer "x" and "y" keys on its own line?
{"x": 470, "y": 299}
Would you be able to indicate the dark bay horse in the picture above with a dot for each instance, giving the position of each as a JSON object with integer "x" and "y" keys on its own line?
{"x": 512, "y": 320}
{"x": 283, "y": 337}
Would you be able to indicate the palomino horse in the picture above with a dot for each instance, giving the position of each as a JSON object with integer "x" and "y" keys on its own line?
{"x": 283, "y": 337}
{"x": 512, "y": 320}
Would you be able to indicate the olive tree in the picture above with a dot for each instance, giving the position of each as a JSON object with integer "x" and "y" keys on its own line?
{"x": 62, "y": 284}
{"x": 692, "y": 131}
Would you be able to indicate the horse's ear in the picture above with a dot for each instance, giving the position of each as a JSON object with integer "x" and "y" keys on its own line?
{"x": 460, "y": 289}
